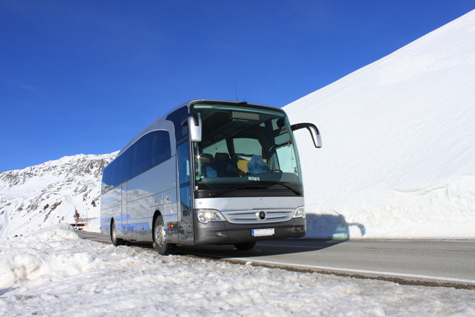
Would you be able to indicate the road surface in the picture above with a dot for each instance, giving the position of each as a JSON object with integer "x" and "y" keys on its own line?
{"x": 427, "y": 262}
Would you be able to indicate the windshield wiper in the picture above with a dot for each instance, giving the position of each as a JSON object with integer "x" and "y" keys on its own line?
{"x": 260, "y": 185}
{"x": 284, "y": 184}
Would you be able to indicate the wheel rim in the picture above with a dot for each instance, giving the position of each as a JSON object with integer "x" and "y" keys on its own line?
{"x": 113, "y": 233}
{"x": 160, "y": 235}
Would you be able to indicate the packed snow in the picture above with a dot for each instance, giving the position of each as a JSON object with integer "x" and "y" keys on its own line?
{"x": 398, "y": 156}
{"x": 55, "y": 273}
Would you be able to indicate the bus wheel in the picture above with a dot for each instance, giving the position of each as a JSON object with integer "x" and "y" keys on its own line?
{"x": 159, "y": 240}
{"x": 115, "y": 241}
{"x": 245, "y": 245}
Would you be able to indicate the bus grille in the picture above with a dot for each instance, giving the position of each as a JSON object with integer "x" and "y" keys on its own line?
{"x": 252, "y": 216}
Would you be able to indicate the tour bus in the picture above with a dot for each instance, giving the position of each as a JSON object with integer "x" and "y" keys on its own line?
{"x": 208, "y": 172}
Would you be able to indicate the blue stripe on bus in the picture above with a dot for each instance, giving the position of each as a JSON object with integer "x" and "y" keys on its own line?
{"x": 129, "y": 226}
{"x": 139, "y": 226}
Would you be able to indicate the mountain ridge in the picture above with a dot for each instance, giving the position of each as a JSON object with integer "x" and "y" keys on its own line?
{"x": 41, "y": 195}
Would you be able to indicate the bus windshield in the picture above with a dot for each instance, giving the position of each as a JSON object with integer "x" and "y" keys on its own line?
{"x": 244, "y": 149}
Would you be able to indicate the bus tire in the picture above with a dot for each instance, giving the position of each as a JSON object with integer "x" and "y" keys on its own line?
{"x": 244, "y": 246}
{"x": 159, "y": 238}
{"x": 115, "y": 241}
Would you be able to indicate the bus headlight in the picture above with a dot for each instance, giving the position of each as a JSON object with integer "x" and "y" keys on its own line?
{"x": 299, "y": 212}
{"x": 207, "y": 215}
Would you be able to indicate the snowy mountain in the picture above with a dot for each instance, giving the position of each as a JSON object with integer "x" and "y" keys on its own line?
{"x": 398, "y": 156}
{"x": 49, "y": 193}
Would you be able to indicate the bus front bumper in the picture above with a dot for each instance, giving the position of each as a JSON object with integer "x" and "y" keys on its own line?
{"x": 223, "y": 232}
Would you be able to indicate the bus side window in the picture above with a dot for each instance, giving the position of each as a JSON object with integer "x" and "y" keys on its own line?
{"x": 177, "y": 118}
{"x": 161, "y": 147}
{"x": 125, "y": 166}
{"x": 142, "y": 154}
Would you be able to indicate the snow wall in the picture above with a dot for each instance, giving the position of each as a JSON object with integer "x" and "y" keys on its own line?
{"x": 398, "y": 156}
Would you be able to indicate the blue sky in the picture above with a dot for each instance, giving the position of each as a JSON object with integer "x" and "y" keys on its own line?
{"x": 86, "y": 76}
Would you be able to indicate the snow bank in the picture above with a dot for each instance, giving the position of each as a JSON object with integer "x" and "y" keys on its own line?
{"x": 398, "y": 156}
{"x": 44, "y": 254}
{"x": 53, "y": 273}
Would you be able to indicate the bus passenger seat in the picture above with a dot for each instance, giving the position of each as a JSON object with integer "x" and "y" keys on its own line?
{"x": 223, "y": 164}
{"x": 241, "y": 165}
{"x": 257, "y": 165}
{"x": 208, "y": 167}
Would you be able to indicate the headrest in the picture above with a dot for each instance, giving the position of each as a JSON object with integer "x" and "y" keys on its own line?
{"x": 206, "y": 158}
{"x": 206, "y": 155}
{"x": 222, "y": 156}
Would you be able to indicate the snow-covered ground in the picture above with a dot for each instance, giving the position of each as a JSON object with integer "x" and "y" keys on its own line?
{"x": 398, "y": 156}
{"x": 55, "y": 273}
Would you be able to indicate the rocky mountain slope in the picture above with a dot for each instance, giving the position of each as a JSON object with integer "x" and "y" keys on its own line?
{"x": 50, "y": 193}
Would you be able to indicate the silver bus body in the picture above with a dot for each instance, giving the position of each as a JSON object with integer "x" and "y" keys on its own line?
{"x": 215, "y": 172}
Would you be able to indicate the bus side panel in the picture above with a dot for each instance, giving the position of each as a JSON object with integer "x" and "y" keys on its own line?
{"x": 124, "y": 215}
{"x": 148, "y": 192}
{"x": 111, "y": 209}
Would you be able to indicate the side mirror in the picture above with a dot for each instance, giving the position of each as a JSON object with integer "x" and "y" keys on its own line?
{"x": 193, "y": 121}
{"x": 312, "y": 129}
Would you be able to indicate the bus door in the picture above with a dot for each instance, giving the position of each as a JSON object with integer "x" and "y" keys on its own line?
{"x": 185, "y": 227}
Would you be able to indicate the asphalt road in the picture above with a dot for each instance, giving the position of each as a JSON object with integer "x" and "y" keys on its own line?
{"x": 426, "y": 262}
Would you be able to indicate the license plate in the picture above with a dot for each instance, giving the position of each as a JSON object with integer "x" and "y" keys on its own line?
{"x": 263, "y": 232}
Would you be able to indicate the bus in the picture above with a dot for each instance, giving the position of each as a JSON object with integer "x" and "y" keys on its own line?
{"x": 207, "y": 172}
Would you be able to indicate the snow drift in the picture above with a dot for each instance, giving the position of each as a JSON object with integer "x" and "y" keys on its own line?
{"x": 53, "y": 273}
{"x": 398, "y": 156}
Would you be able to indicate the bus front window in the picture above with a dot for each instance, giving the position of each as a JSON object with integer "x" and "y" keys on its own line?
{"x": 244, "y": 149}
